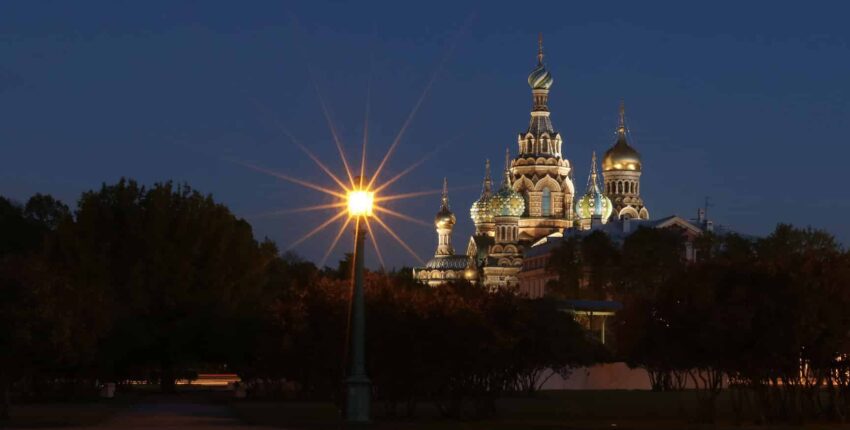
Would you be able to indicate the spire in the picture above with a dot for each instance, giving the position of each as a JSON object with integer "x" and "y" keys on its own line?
{"x": 621, "y": 124}
{"x": 445, "y": 198}
{"x": 488, "y": 183}
{"x": 592, "y": 186}
{"x": 540, "y": 48}
{"x": 508, "y": 167}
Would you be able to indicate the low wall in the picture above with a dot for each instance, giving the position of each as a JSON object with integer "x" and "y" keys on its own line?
{"x": 610, "y": 376}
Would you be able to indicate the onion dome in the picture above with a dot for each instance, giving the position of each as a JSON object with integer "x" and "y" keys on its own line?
{"x": 445, "y": 218}
{"x": 594, "y": 204}
{"x": 448, "y": 262}
{"x": 621, "y": 156}
{"x": 482, "y": 210}
{"x": 540, "y": 78}
{"x": 507, "y": 201}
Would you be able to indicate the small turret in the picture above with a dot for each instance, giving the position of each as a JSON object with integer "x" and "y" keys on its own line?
{"x": 444, "y": 221}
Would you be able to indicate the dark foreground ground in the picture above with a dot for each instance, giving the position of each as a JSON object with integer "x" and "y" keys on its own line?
{"x": 217, "y": 410}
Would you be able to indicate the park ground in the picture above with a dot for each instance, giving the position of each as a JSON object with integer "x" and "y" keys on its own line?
{"x": 218, "y": 410}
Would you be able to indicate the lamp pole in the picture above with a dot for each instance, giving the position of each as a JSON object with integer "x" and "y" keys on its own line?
{"x": 358, "y": 385}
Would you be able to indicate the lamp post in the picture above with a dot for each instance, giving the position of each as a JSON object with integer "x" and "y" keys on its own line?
{"x": 358, "y": 385}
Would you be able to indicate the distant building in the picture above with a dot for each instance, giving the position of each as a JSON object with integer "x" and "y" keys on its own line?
{"x": 536, "y": 206}
{"x": 533, "y": 276}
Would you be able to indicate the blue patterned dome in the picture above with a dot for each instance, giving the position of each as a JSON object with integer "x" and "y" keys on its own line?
{"x": 594, "y": 204}
{"x": 540, "y": 78}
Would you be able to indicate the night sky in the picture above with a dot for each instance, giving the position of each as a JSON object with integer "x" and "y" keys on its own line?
{"x": 744, "y": 102}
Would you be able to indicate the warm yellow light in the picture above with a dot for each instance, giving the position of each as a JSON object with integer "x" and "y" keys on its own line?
{"x": 360, "y": 202}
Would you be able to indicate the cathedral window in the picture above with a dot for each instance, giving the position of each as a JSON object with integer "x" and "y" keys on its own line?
{"x": 546, "y": 203}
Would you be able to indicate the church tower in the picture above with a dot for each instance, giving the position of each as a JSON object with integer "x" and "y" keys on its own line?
{"x": 445, "y": 222}
{"x": 621, "y": 169}
{"x": 539, "y": 172}
{"x": 445, "y": 266}
{"x": 504, "y": 258}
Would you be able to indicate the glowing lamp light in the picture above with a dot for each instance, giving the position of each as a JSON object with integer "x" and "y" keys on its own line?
{"x": 360, "y": 203}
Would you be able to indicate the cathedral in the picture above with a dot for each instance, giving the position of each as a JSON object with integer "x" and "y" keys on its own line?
{"x": 535, "y": 200}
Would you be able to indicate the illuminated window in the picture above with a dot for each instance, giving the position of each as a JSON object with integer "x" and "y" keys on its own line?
{"x": 547, "y": 202}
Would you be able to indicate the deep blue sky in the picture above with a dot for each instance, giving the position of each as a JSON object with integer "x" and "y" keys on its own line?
{"x": 745, "y": 102}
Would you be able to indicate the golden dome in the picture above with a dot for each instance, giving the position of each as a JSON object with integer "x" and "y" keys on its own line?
{"x": 445, "y": 218}
{"x": 621, "y": 156}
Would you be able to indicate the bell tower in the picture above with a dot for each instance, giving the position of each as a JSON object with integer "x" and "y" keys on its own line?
{"x": 540, "y": 172}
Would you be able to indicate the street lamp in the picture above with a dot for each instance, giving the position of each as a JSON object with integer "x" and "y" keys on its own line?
{"x": 358, "y": 385}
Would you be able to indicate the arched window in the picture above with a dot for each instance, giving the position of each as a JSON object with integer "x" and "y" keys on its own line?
{"x": 546, "y": 203}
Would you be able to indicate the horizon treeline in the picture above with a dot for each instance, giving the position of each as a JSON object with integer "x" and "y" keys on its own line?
{"x": 161, "y": 283}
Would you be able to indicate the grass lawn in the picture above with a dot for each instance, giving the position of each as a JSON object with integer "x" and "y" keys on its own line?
{"x": 76, "y": 414}
{"x": 548, "y": 411}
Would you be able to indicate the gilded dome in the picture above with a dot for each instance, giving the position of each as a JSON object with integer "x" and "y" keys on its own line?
{"x": 445, "y": 218}
{"x": 621, "y": 156}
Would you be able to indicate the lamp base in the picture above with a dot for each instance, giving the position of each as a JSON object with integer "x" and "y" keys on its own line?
{"x": 358, "y": 403}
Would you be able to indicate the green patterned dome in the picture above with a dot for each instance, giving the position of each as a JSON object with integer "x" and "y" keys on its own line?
{"x": 508, "y": 202}
{"x": 594, "y": 204}
{"x": 482, "y": 210}
{"x": 540, "y": 78}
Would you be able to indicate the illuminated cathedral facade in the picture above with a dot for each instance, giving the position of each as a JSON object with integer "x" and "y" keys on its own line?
{"x": 536, "y": 199}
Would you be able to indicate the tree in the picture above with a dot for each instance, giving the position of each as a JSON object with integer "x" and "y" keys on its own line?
{"x": 38, "y": 328}
{"x": 171, "y": 270}
{"x": 586, "y": 267}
